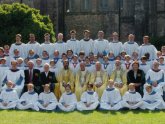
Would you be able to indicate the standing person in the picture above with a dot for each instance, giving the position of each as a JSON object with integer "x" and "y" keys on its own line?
{"x": 115, "y": 46}
{"x": 68, "y": 100}
{"x": 32, "y": 45}
{"x": 73, "y": 43}
{"x": 21, "y": 47}
{"x": 137, "y": 77}
{"x": 100, "y": 45}
{"x": 47, "y": 45}
{"x": 130, "y": 46}
{"x": 60, "y": 45}
{"x": 147, "y": 47}
{"x": 87, "y": 43}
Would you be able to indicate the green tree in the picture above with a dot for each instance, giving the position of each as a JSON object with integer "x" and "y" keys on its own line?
{"x": 20, "y": 18}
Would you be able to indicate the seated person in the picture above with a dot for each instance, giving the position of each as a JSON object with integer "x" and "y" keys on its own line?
{"x": 152, "y": 100}
{"x": 68, "y": 100}
{"x": 47, "y": 100}
{"x": 132, "y": 99}
{"x": 111, "y": 97}
{"x": 8, "y": 97}
{"x": 89, "y": 99}
{"x": 28, "y": 99}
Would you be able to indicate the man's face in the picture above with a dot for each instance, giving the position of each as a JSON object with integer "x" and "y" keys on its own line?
{"x": 32, "y": 38}
{"x": 30, "y": 87}
{"x": 100, "y": 35}
{"x": 156, "y": 65}
{"x": 46, "y": 68}
{"x": 30, "y": 65}
{"x": 47, "y": 38}
{"x": 18, "y": 39}
{"x": 14, "y": 64}
{"x": 148, "y": 89}
{"x": 145, "y": 40}
{"x": 131, "y": 37}
{"x": 60, "y": 37}
{"x": 135, "y": 66}
{"x": 72, "y": 35}
{"x": 131, "y": 87}
{"x": 46, "y": 88}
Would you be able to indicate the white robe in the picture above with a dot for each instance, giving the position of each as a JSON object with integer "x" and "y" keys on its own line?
{"x": 101, "y": 46}
{"x": 86, "y": 46}
{"x": 132, "y": 100}
{"x": 152, "y": 76}
{"x": 73, "y": 44}
{"x": 28, "y": 101}
{"x": 16, "y": 77}
{"x": 162, "y": 66}
{"x": 2, "y": 72}
{"x": 111, "y": 99}
{"x": 10, "y": 97}
{"x": 145, "y": 67}
{"x": 21, "y": 48}
{"x": 88, "y": 97}
{"x": 69, "y": 99}
{"x": 107, "y": 68}
{"x": 148, "y": 49}
{"x": 35, "y": 46}
{"x": 47, "y": 47}
{"x": 47, "y": 98}
{"x": 74, "y": 67}
{"x": 153, "y": 101}
{"x": 130, "y": 47}
{"x": 61, "y": 47}
{"x": 116, "y": 48}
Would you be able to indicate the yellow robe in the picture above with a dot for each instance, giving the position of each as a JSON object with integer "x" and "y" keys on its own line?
{"x": 82, "y": 79}
{"x": 66, "y": 76}
{"x": 122, "y": 74}
{"x": 104, "y": 79}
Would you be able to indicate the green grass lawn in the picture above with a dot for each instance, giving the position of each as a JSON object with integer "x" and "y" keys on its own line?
{"x": 92, "y": 117}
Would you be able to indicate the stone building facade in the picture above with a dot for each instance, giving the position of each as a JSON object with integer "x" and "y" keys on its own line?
{"x": 140, "y": 17}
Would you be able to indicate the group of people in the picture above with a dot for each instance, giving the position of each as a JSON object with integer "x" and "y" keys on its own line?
{"x": 82, "y": 75}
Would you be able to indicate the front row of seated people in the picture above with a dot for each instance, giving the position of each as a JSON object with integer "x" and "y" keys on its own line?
{"x": 111, "y": 99}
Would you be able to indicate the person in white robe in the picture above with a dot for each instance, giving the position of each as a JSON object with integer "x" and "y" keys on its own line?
{"x": 74, "y": 64}
{"x": 152, "y": 100}
{"x": 88, "y": 66}
{"x": 16, "y": 76}
{"x": 156, "y": 78}
{"x": 60, "y": 45}
{"x": 45, "y": 57}
{"x": 106, "y": 66}
{"x": 38, "y": 65}
{"x": 130, "y": 46}
{"x": 100, "y": 45}
{"x": 29, "y": 99}
{"x": 144, "y": 65}
{"x": 68, "y": 100}
{"x": 132, "y": 99}
{"x": 47, "y": 45}
{"x": 163, "y": 51}
{"x": 47, "y": 100}
{"x": 19, "y": 46}
{"x": 8, "y": 97}
{"x": 32, "y": 45}
{"x": 147, "y": 48}
{"x": 115, "y": 46}
{"x": 86, "y": 44}
{"x": 89, "y": 99}
{"x": 161, "y": 63}
{"x": 73, "y": 43}
{"x": 3, "y": 68}
{"x": 111, "y": 98}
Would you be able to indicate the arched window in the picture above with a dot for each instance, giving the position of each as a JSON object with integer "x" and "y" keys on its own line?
{"x": 86, "y": 5}
{"x": 70, "y": 5}
{"x": 104, "y": 5}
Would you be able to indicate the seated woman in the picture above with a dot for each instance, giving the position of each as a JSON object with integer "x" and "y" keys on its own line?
{"x": 68, "y": 100}
{"x": 89, "y": 99}
{"x": 111, "y": 98}
{"x": 152, "y": 100}
{"x": 47, "y": 100}
{"x": 28, "y": 99}
{"x": 119, "y": 77}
